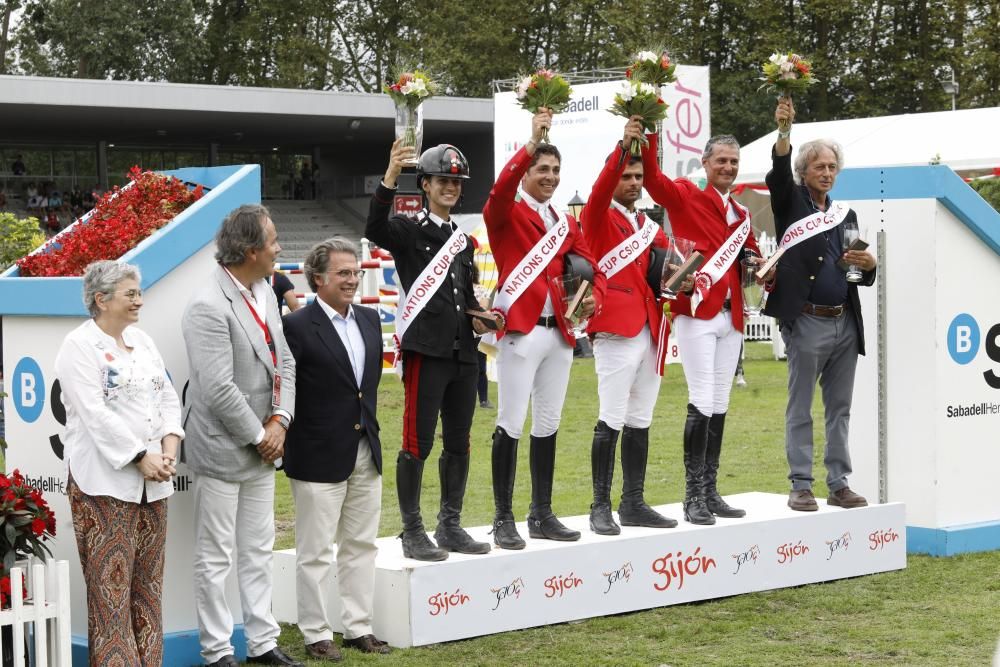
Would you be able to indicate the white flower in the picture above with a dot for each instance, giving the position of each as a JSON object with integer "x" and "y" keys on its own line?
{"x": 778, "y": 59}
{"x": 522, "y": 87}
{"x": 786, "y": 67}
{"x": 415, "y": 87}
{"x": 627, "y": 91}
{"x": 648, "y": 56}
{"x": 788, "y": 75}
{"x": 646, "y": 89}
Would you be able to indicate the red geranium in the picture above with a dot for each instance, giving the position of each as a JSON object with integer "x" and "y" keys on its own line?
{"x": 28, "y": 523}
{"x": 122, "y": 218}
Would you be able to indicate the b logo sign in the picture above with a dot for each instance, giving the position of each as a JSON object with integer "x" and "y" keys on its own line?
{"x": 963, "y": 344}
{"x": 963, "y": 339}
{"x": 28, "y": 389}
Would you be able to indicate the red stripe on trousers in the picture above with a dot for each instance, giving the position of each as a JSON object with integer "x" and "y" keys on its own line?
{"x": 411, "y": 369}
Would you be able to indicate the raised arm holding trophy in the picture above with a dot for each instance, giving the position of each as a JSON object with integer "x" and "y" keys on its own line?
{"x": 434, "y": 336}
{"x": 626, "y": 336}
{"x": 817, "y": 307}
{"x": 533, "y": 244}
{"x": 709, "y": 323}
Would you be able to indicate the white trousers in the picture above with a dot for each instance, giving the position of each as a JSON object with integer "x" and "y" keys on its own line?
{"x": 710, "y": 350}
{"x": 234, "y": 516}
{"x": 627, "y": 383}
{"x": 347, "y": 513}
{"x": 532, "y": 366}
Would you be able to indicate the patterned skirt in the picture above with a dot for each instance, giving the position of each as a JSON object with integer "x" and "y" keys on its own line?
{"x": 121, "y": 547}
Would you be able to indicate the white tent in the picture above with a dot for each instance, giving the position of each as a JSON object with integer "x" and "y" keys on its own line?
{"x": 967, "y": 140}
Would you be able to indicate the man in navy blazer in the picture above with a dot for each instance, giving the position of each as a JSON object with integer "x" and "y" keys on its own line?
{"x": 333, "y": 455}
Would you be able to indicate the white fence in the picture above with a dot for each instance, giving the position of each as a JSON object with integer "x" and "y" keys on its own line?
{"x": 41, "y": 611}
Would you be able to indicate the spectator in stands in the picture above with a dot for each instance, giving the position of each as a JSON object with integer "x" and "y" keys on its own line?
{"x": 18, "y": 168}
{"x": 76, "y": 202}
{"x": 123, "y": 429}
{"x": 284, "y": 291}
{"x": 55, "y": 200}
{"x": 90, "y": 197}
{"x": 307, "y": 180}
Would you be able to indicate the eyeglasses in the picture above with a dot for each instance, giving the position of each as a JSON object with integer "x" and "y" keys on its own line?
{"x": 132, "y": 295}
{"x": 347, "y": 273}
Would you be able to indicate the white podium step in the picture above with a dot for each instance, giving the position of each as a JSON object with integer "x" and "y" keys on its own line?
{"x": 552, "y": 582}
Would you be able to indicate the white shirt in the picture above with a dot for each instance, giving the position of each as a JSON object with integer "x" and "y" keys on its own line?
{"x": 731, "y": 214}
{"x": 118, "y": 403}
{"x": 256, "y": 296}
{"x": 350, "y": 335}
{"x": 544, "y": 209}
{"x": 631, "y": 216}
{"x": 439, "y": 221}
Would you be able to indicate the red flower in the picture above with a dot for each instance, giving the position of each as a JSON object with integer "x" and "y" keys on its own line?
{"x": 38, "y": 526}
{"x": 121, "y": 219}
{"x": 9, "y": 496}
{"x": 628, "y": 72}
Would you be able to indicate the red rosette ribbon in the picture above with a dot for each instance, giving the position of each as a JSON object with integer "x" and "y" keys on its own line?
{"x": 702, "y": 286}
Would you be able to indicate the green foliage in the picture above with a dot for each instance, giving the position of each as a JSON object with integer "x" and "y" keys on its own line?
{"x": 17, "y": 238}
{"x": 988, "y": 189}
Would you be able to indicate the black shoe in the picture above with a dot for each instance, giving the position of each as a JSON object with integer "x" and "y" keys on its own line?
{"x": 550, "y": 528}
{"x": 504, "y": 460}
{"x": 505, "y": 533}
{"x": 695, "y": 443}
{"x": 633, "y": 510}
{"x": 542, "y": 522}
{"x": 454, "y": 471}
{"x": 416, "y": 544}
{"x": 274, "y": 657}
{"x": 602, "y": 465}
{"x": 224, "y": 661}
{"x": 715, "y": 503}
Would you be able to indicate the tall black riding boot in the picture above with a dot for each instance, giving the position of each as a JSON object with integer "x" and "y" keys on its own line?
{"x": 409, "y": 476}
{"x": 695, "y": 443}
{"x": 602, "y": 463}
{"x": 542, "y": 523}
{"x": 715, "y": 503}
{"x": 454, "y": 471}
{"x": 633, "y": 510}
{"x": 504, "y": 457}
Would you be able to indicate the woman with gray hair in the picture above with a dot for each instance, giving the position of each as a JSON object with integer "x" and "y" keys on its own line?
{"x": 123, "y": 429}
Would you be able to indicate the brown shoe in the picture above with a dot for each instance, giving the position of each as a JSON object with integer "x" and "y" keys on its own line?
{"x": 802, "y": 500}
{"x": 368, "y": 644}
{"x": 847, "y": 499}
{"x": 324, "y": 650}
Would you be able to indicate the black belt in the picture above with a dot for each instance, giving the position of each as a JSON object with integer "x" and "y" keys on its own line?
{"x": 727, "y": 305}
{"x": 549, "y": 322}
{"x": 823, "y": 311}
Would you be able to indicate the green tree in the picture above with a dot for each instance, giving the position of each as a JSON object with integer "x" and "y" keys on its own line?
{"x": 988, "y": 189}
{"x": 18, "y": 237}
{"x": 100, "y": 39}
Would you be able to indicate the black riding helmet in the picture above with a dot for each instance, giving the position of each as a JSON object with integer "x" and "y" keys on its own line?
{"x": 442, "y": 160}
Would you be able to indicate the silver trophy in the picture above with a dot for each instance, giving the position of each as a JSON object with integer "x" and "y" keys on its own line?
{"x": 681, "y": 261}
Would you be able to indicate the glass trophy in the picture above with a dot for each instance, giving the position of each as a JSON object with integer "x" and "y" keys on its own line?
{"x": 852, "y": 241}
{"x": 571, "y": 290}
{"x": 681, "y": 261}
{"x": 753, "y": 290}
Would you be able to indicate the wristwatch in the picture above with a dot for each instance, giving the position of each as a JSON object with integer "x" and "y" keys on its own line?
{"x": 281, "y": 420}
{"x": 138, "y": 457}
{"x": 784, "y": 135}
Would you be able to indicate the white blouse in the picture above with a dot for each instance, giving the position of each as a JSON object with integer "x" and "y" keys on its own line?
{"x": 118, "y": 403}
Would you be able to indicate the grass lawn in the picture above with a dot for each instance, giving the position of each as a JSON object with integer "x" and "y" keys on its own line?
{"x": 936, "y": 612}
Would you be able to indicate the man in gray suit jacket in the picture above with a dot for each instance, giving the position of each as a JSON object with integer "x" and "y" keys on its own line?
{"x": 240, "y": 402}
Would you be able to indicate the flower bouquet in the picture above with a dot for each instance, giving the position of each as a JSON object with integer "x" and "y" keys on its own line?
{"x": 786, "y": 74}
{"x": 408, "y": 93}
{"x": 651, "y": 68}
{"x": 28, "y": 523}
{"x": 545, "y": 89}
{"x": 641, "y": 94}
{"x": 640, "y": 99}
{"x": 122, "y": 218}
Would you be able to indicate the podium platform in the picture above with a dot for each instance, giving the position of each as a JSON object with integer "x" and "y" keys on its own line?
{"x": 549, "y": 582}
